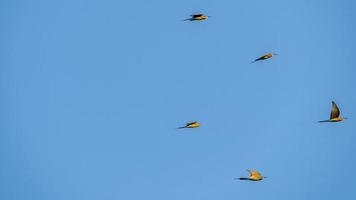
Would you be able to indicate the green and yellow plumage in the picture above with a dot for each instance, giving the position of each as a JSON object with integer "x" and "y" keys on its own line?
{"x": 197, "y": 17}
{"x": 191, "y": 125}
{"x": 264, "y": 57}
{"x": 254, "y": 176}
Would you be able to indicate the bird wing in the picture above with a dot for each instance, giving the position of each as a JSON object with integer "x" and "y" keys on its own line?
{"x": 264, "y": 57}
{"x": 335, "y": 112}
{"x": 254, "y": 174}
{"x": 196, "y": 15}
{"x": 190, "y": 123}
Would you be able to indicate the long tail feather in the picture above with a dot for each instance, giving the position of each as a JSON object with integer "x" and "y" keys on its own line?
{"x": 242, "y": 178}
{"x": 258, "y": 59}
{"x": 324, "y": 121}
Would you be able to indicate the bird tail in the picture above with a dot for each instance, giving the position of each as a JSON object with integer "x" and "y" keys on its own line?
{"x": 181, "y": 127}
{"x": 189, "y": 19}
{"x": 324, "y": 121}
{"x": 255, "y": 61}
{"x": 242, "y": 178}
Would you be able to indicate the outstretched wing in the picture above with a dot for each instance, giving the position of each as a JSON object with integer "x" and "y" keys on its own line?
{"x": 196, "y": 15}
{"x": 335, "y": 112}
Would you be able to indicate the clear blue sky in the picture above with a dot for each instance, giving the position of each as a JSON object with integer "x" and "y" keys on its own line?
{"x": 92, "y": 91}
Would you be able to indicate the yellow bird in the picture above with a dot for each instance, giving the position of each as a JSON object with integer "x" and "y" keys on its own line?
{"x": 254, "y": 176}
{"x": 334, "y": 115}
{"x": 265, "y": 57}
{"x": 191, "y": 125}
{"x": 197, "y": 17}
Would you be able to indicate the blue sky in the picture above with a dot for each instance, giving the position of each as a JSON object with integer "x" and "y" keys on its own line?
{"x": 92, "y": 92}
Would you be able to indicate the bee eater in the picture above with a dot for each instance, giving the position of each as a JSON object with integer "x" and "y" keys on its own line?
{"x": 265, "y": 57}
{"x": 191, "y": 125}
{"x": 334, "y": 115}
{"x": 254, "y": 176}
{"x": 197, "y": 17}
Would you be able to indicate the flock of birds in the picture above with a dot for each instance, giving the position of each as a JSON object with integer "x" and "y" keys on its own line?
{"x": 255, "y": 175}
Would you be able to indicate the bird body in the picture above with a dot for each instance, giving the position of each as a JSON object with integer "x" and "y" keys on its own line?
{"x": 338, "y": 119}
{"x": 191, "y": 125}
{"x": 265, "y": 57}
{"x": 197, "y": 17}
{"x": 334, "y": 115}
{"x": 254, "y": 176}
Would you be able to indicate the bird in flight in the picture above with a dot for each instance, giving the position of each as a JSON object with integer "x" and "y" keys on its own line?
{"x": 197, "y": 17}
{"x": 191, "y": 125}
{"x": 334, "y": 115}
{"x": 265, "y": 57}
{"x": 254, "y": 176}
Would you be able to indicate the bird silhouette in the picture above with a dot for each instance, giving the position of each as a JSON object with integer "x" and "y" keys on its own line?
{"x": 265, "y": 57}
{"x": 335, "y": 114}
{"x": 197, "y": 17}
{"x": 254, "y": 176}
{"x": 190, "y": 125}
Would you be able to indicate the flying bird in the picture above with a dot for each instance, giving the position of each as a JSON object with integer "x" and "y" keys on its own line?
{"x": 191, "y": 125}
{"x": 197, "y": 17}
{"x": 265, "y": 57}
{"x": 334, "y": 115}
{"x": 254, "y": 176}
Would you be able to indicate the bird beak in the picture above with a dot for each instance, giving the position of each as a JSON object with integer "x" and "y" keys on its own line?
{"x": 265, "y": 177}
